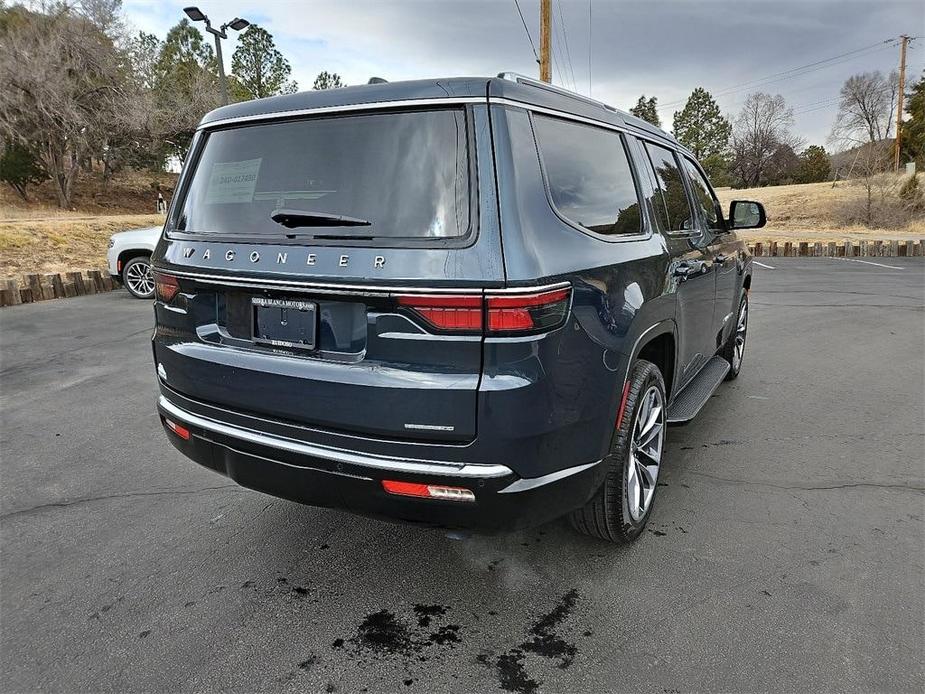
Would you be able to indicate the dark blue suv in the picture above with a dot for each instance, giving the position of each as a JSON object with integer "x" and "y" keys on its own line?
{"x": 464, "y": 302}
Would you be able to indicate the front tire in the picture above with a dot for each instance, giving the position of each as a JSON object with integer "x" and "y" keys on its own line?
{"x": 620, "y": 509}
{"x": 734, "y": 349}
{"x": 138, "y": 278}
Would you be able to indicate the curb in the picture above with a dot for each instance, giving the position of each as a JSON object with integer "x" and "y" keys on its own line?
{"x": 35, "y": 287}
{"x": 873, "y": 248}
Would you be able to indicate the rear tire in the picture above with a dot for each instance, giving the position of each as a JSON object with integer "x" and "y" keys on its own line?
{"x": 620, "y": 509}
{"x": 138, "y": 278}
{"x": 734, "y": 349}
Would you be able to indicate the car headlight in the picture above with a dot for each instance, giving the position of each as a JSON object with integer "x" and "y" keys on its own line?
{"x": 112, "y": 242}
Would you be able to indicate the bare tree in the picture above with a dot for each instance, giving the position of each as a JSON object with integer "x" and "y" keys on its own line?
{"x": 72, "y": 90}
{"x": 867, "y": 108}
{"x": 760, "y": 130}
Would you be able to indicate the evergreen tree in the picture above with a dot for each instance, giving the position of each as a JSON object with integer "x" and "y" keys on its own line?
{"x": 647, "y": 109}
{"x": 19, "y": 168}
{"x": 186, "y": 86}
{"x": 814, "y": 165}
{"x": 260, "y": 69}
{"x": 913, "y": 134}
{"x": 700, "y": 126}
{"x": 328, "y": 80}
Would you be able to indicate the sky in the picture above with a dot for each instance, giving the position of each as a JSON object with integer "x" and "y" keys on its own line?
{"x": 664, "y": 48}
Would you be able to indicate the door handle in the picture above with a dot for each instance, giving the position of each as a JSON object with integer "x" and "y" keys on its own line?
{"x": 685, "y": 270}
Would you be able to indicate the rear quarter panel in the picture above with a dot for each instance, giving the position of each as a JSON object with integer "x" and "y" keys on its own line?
{"x": 555, "y": 397}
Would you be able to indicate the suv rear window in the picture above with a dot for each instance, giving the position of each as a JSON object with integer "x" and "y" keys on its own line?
{"x": 589, "y": 176}
{"x": 406, "y": 174}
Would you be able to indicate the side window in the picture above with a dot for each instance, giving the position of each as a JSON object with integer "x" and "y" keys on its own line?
{"x": 704, "y": 197}
{"x": 678, "y": 215}
{"x": 589, "y": 176}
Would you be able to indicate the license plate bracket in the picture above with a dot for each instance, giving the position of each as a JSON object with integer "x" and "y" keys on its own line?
{"x": 288, "y": 323}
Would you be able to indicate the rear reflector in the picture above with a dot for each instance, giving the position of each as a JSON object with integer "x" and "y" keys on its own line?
{"x": 427, "y": 491}
{"x": 508, "y": 313}
{"x": 177, "y": 429}
{"x": 165, "y": 286}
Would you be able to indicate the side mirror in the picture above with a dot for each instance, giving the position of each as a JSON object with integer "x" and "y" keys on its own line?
{"x": 746, "y": 214}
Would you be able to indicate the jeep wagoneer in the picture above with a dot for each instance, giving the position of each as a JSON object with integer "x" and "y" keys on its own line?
{"x": 466, "y": 302}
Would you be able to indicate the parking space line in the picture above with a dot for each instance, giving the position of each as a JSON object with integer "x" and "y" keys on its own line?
{"x": 763, "y": 265}
{"x": 867, "y": 262}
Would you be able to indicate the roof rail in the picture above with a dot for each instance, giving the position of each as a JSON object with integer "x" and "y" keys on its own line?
{"x": 523, "y": 79}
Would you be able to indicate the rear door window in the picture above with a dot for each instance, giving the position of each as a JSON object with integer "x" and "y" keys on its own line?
{"x": 675, "y": 214}
{"x": 374, "y": 177}
{"x": 589, "y": 176}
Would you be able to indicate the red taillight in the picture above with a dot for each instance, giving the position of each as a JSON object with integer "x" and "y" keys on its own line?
{"x": 428, "y": 491}
{"x": 450, "y": 312}
{"x": 507, "y": 313}
{"x": 525, "y": 312}
{"x": 177, "y": 429}
{"x": 165, "y": 286}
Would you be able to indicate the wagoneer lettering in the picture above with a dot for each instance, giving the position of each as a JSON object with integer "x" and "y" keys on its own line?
{"x": 403, "y": 365}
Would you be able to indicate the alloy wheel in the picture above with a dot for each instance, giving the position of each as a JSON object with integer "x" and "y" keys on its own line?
{"x": 738, "y": 347}
{"x": 139, "y": 278}
{"x": 645, "y": 453}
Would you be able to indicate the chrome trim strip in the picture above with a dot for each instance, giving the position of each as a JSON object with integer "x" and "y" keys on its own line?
{"x": 344, "y": 108}
{"x": 338, "y": 455}
{"x": 527, "y": 483}
{"x": 529, "y": 289}
{"x": 346, "y": 288}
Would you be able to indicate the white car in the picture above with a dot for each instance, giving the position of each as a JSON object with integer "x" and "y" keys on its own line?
{"x": 129, "y": 260}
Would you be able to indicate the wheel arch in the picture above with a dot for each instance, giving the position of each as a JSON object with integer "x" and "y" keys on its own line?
{"x": 129, "y": 253}
{"x": 658, "y": 343}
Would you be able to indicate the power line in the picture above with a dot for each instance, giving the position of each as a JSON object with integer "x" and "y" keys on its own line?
{"x": 529, "y": 38}
{"x": 798, "y": 71}
{"x": 589, "y": 48}
{"x": 568, "y": 51}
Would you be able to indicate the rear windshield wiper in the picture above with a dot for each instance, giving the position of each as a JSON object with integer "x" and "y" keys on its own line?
{"x": 292, "y": 219}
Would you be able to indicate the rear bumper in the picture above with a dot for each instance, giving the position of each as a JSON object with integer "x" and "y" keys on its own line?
{"x": 338, "y": 478}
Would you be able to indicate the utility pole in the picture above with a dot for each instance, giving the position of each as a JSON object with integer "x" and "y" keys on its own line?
{"x": 545, "y": 45}
{"x": 899, "y": 99}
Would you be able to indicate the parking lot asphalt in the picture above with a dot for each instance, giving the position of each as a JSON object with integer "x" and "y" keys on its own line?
{"x": 785, "y": 551}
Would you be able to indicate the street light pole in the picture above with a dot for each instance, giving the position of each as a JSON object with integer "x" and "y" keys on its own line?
{"x": 237, "y": 24}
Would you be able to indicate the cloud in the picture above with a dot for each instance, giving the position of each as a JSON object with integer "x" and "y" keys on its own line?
{"x": 660, "y": 48}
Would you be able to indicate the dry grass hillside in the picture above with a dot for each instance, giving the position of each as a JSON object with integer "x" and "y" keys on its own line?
{"x": 815, "y": 212}
{"x": 129, "y": 192}
{"x": 62, "y": 244}
{"x": 39, "y": 237}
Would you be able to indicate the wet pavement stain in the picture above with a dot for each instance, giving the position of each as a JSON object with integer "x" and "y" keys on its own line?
{"x": 381, "y": 632}
{"x": 426, "y": 612}
{"x": 544, "y": 641}
{"x": 410, "y": 639}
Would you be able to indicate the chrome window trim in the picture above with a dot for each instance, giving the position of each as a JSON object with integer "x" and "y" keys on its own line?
{"x": 344, "y": 108}
{"x": 667, "y": 140}
{"x": 337, "y": 455}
